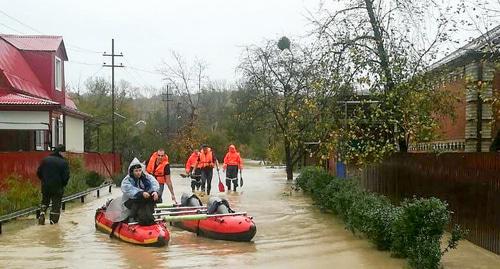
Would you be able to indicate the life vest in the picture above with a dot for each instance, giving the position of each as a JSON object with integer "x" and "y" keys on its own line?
{"x": 232, "y": 158}
{"x": 206, "y": 160}
{"x": 159, "y": 172}
{"x": 191, "y": 161}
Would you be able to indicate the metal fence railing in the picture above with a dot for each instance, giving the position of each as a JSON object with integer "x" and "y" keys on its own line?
{"x": 36, "y": 209}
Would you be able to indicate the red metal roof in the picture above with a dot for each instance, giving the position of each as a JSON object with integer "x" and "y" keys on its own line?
{"x": 19, "y": 85}
{"x": 8, "y": 97}
{"x": 69, "y": 102}
{"x": 18, "y": 72}
{"x": 34, "y": 42}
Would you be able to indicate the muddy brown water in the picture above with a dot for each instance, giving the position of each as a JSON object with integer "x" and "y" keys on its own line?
{"x": 291, "y": 233}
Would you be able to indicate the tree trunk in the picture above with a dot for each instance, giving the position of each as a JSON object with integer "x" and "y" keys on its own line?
{"x": 403, "y": 145}
{"x": 382, "y": 52}
{"x": 289, "y": 161}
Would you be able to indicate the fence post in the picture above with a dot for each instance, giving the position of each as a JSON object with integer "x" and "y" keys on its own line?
{"x": 110, "y": 188}
{"x": 82, "y": 198}
{"x": 97, "y": 193}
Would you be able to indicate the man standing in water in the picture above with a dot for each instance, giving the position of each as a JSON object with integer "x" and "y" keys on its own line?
{"x": 54, "y": 175}
{"x": 159, "y": 167}
{"x": 232, "y": 162}
{"x": 206, "y": 162}
{"x": 194, "y": 174}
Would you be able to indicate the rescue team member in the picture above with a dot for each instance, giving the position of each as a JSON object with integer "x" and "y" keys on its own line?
{"x": 159, "y": 167}
{"x": 205, "y": 163}
{"x": 195, "y": 174}
{"x": 53, "y": 172}
{"x": 232, "y": 162}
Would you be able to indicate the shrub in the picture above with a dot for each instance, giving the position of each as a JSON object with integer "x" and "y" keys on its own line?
{"x": 412, "y": 230}
{"x": 19, "y": 193}
{"x": 93, "y": 179}
{"x": 117, "y": 179}
{"x": 310, "y": 175}
{"x": 373, "y": 215}
{"x": 75, "y": 164}
{"x": 77, "y": 183}
{"x": 418, "y": 229}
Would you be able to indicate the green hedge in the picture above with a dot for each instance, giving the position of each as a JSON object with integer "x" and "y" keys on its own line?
{"x": 411, "y": 230}
{"x": 18, "y": 193}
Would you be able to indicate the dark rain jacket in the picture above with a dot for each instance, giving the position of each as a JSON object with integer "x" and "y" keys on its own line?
{"x": 53, "y": 172}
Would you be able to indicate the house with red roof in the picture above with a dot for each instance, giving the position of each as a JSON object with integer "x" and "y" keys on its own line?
{"x": 36, "y": 113}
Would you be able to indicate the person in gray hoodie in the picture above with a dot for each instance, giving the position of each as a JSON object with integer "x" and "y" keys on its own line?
{"x": 140, "y": 193}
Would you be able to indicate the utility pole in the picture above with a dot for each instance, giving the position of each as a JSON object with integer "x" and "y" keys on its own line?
{"x": 166, "y": 97}
{"x": 112, "y": 65}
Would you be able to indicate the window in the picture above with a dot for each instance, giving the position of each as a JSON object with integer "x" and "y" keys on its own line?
{"x": 58, "y": 74}
{"x": 39, "y": 140}
{"x": 55, "y": 132}
{"x": 61, "y": 130}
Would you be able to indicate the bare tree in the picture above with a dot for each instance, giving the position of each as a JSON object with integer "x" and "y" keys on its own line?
{"x": 292, "y": 88}
{"x": 187, "y": 81}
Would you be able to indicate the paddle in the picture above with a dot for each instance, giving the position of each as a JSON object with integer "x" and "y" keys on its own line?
{"x": 221, "y": 186}
{"x": 194, "y": 217}
{"x": 241, "y": 178}
{"x": 180, "y": 208}
{"x": 170, "y": 213}
{"x": 200, "y": 216}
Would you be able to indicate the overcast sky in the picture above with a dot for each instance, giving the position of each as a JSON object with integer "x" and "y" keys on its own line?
{"x": 146, "y": 31}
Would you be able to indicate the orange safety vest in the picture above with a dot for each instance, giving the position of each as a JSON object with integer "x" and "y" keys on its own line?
{"x": 191, "y": 161}
{"x": 159, "y": 172}
{"x": 206, "y": 160}
{"x": 232, "y": 158}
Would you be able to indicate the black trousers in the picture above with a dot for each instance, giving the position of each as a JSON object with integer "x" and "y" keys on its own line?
{"x": 141, "y": 210}
{"x": 196, "y": 179}
{"x": 206, "y": 179}
{"x": 232, "y": 175}
{"x": 54, "y": 196}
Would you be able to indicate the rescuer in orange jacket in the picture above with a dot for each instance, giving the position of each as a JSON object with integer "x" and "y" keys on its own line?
{"x": 232, "y": 162}
{"x": 206, "y": 163}
{"x": 159, "y": 167}
{"x": 195, "y": 174}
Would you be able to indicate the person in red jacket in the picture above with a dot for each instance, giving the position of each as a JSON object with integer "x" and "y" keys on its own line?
{"x": 195, "y": 175}
{"x": 232, "y": 162}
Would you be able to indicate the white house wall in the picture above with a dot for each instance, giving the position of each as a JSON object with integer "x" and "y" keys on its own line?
{"x": 74, "y": 134}
{"x": 24, "y": 120}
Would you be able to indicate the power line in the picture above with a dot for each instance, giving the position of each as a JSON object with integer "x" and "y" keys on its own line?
{"x": 84, "y": 63}
{"x": 146, "y": 71}
{"x": 140, "y": 77}
{"x": 20, "y": 22}
{"x": 13, "y": 29}
{"x": 40, "y": 32}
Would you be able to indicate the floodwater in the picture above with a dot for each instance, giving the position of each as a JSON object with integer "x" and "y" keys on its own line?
{"x": 291, "y": 233}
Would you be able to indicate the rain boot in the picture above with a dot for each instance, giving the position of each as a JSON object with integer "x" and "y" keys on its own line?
{"x": 41, "y": 218}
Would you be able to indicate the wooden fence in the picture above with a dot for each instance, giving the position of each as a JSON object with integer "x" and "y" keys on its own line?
{"x": 469, "y": 182}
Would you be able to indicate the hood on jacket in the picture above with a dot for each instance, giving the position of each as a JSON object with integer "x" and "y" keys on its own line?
{"x": 232, "y": 149}
{"x": 133, "y": 163}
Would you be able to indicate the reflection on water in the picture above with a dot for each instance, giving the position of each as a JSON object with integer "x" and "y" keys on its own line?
{"x": 291, "y": 233}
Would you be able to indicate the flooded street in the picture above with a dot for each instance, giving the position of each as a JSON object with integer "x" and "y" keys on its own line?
{"x": 291, "y": 233}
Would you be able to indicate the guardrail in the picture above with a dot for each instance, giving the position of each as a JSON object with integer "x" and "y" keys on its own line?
{"x": 36, "y": 209}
